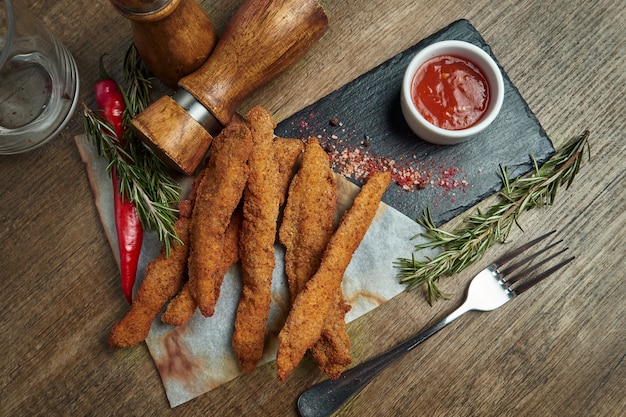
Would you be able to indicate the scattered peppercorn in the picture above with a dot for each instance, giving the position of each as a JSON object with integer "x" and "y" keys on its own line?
{"x": 357, "y": 161}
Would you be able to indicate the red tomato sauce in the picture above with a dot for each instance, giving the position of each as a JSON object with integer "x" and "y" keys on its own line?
{"x": 451, "y": 92}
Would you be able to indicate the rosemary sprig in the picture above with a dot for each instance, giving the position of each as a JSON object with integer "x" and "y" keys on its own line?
{"x": 144, "y": 179}
{"x": 463, "y": 247}
{"x": 136, "y": 75}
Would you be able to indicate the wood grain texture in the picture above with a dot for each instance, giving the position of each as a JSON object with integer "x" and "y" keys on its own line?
{"x": 262, "y": 40}
{"x": 173, "y": 41}
{"x": 173, "y": 134}
{"x": 558, "y": 351}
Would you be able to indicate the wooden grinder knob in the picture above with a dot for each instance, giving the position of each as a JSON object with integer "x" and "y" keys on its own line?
{"x": 173, "y": 37}
{"x": 262, "y": 40}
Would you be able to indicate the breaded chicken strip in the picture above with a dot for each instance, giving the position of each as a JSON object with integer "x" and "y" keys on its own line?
{"x": 307, "y": 222}
{"x": 261, "y": 199}
{"x": 181, "y": 308}
{"x": 288, "y": 152}
{"x": 332, "y": 349}
{"x": 308, "y": 314}
{"x": 306, "y": 228}
{"x": 219, "y": 193}
{"x": 164, "y": 277}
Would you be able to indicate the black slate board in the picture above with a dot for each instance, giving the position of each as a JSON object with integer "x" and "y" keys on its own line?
{"x": 459, "y": 176}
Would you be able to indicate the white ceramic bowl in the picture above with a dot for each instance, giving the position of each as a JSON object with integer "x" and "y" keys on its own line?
{"x": 434, "y": 134}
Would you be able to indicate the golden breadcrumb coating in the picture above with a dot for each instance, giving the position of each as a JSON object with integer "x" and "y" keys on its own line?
{"x": 164, "y": 277}
{"x": 305, "y": 230}
{"x": 288, "y": 152}
{"x": 181, "y": 308}
{"x": 219, "y": 193}
{"x": 307, "y": 222}
{"x": 307, "y": 317}
{"x": 261, "y": 200}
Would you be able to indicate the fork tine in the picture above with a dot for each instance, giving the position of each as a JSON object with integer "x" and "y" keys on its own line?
{"x": 538, "y": 278}
{"x": 512, "y": 254}
{"x": 507, "y": 271}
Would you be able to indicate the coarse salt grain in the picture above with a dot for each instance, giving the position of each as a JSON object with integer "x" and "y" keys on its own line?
{"x": 352, "y": 162}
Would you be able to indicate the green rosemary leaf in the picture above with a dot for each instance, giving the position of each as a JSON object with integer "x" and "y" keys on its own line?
{"x": 480, "y": 231}
{"x": 136, "y": 74}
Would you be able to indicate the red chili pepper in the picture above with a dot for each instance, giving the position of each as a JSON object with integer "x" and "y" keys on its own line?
{"x": 129, "y": 228}
{"x": 129, "y": 237}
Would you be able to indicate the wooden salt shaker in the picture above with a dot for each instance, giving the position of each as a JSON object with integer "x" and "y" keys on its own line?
{"x": 173, "y": 37}
{"x": 262, "y": 40}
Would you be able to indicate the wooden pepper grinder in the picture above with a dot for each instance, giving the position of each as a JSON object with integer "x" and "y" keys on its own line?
{"x": 173, "y": 37}
{"x": 262, "y": 40}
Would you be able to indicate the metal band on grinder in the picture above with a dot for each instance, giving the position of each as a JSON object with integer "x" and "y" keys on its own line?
{"x": 197, "y": 111}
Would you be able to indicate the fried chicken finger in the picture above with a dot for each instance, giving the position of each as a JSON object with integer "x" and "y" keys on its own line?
{"x": 219, "y": 193}
{"x": 164, "y": 277}
{"x": 308, "y": 217}
{"x": 332, "y": 349}
{"x": 181, "y": 308}
{"x": 308, "y": 314}
{"x": 288, "y": 151}
{"x": 261, "y": 199}
{"x": 305, "y": 230}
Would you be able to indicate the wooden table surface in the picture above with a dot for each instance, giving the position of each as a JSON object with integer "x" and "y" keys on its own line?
{"x": 558, "y": 351}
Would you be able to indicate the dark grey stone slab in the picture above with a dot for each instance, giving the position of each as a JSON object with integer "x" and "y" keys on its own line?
{"x": 365, "y": 115}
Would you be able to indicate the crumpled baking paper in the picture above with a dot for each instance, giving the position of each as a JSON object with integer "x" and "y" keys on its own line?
{"x": 197, "y": 357}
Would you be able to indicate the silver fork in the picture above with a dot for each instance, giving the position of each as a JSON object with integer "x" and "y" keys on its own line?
{"x": 487, "y": 291}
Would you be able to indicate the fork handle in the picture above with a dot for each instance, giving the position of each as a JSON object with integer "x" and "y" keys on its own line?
{"x": 327, "y": 396}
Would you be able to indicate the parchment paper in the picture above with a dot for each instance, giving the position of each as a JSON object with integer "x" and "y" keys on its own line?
{"x": 197, "y": 357}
